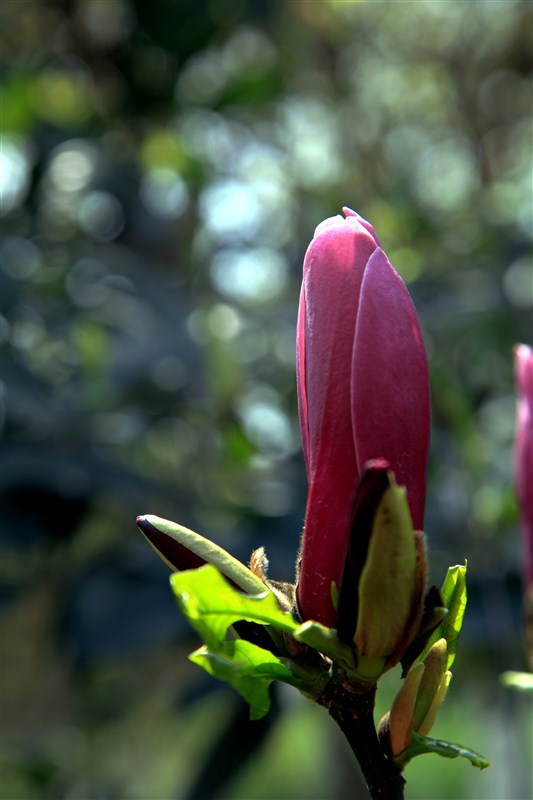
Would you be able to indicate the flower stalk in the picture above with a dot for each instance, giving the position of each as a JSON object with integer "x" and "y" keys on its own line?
{"x": 352, "y": 709}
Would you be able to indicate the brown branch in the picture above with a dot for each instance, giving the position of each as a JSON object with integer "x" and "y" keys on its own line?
{"x": 352, "y": 709}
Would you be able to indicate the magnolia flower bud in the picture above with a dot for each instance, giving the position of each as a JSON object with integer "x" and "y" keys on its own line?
{"x": 363, "y": 394}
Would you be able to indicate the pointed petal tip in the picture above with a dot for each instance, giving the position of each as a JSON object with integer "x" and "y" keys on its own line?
{"x": 523, "y": 356}
{"x": 349, "y": 212}
{"x": 143, "y": 523}
{"x": 326, "y": 224}
{"x": 376, "y": 465}
{"x": 354, "y": 220}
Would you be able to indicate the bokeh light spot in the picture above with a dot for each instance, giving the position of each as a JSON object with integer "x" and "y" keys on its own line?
{"x": 256, "y": 275}
{"x": 20, "y": 257}
{"x": 72, "y": 165}
{"x": 15, "y": 165}
{"x": 101, "y": 215}
{"x": 164, "y": 193}
{"x": 518, "y": 282}
{"x": 230, "y": 210}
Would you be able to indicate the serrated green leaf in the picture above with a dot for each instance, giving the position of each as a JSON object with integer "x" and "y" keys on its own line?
{"x": 211, "y": 605}
{"x": 420, "y": 745}
{"x": 249, "y": 669}
{"x": 454, "y": 596}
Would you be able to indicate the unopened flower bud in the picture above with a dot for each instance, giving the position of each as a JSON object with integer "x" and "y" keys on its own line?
{"x": 363, "y": 394}
{"x": 418, "y": 701}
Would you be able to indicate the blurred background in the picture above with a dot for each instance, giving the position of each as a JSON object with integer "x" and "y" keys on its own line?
{"x": 164, "y": 165}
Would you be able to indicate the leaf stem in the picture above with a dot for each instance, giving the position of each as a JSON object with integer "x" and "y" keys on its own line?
{"x": 352, "y": 709}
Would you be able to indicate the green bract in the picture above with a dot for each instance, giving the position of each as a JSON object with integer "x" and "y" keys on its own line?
{"x": 388, "y": 587}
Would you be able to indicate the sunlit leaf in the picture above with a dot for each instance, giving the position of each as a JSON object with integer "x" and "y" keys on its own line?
{"x": 454, "y": 596}
{"x": 211, "y": 605}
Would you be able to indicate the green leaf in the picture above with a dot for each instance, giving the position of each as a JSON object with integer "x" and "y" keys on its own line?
{"x": 211, "y": 605}
{"x": 420, "y": 745}
{"x": 454, "y": 596}
{"x": 249, "y": 669}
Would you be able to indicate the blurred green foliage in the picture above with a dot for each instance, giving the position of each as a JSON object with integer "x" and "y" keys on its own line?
{"x": 164, "y": 165}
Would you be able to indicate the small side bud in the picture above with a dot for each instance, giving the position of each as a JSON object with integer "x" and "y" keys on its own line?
{"x": 418, "y": 701}
{"x": 284, "y": 592}
{"x": 435, "y": 667}
{"x": 427, "y": 723}
{"x": 259, "y": 563}
{"x": 402, "y": 709}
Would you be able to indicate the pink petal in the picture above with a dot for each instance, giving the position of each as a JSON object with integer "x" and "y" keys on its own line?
{"x": 333, "y": 270}
{"x": 390, "y": 385}
{"x": 300, "y": 377}
{"x": 351, "y": 213}
{"x": 524, "y": 452}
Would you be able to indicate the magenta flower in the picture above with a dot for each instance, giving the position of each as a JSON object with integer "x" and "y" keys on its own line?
{"x": 363, "y": 394}
{"x": 524, "y": 453}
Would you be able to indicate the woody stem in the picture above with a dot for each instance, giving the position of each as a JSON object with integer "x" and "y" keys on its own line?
{"x": 352, "y": 709}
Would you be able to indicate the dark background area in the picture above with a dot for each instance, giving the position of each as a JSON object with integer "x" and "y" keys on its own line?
{"x": 164, "y": 166}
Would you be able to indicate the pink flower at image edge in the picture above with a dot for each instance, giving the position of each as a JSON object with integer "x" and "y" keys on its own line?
{"x": 524, "y": 452}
